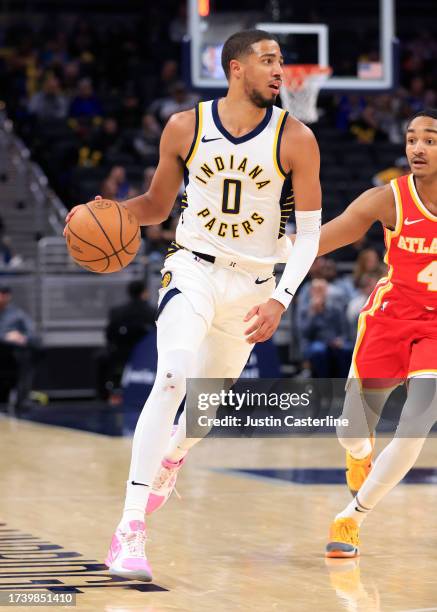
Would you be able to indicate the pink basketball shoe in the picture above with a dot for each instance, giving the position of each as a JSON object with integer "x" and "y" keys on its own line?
{"x": 126, "y": 556}
{"x": 163, "y": 484}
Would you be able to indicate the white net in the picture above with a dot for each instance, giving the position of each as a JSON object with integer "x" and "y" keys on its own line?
{"x": 301, "y": 89}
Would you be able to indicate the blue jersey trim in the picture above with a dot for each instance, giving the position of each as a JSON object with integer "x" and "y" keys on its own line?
{"x": 278, "y": 144}
{"x": 196, "y": 131}
{"x": 167, "y": 297}
{"x": 257, "y": 130}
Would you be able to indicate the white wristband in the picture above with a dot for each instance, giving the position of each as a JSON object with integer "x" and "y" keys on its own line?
{"x": 304, "y": 252}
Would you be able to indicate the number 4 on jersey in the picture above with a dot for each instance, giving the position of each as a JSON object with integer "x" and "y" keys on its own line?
{"x": 429, "y": 276}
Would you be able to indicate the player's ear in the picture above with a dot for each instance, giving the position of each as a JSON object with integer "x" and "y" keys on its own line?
{"x": 235, "y": 69}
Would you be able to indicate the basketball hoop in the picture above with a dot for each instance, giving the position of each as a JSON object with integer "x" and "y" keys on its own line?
{"x": 300, "y": 89}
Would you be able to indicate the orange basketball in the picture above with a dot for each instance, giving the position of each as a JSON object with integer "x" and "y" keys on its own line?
{"x": 103, "y": 236}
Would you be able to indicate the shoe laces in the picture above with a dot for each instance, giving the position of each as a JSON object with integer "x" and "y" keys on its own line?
{"x": 346, "y": 530}
{"x": 135, "y": 541}
{"x": 164, "y": 477}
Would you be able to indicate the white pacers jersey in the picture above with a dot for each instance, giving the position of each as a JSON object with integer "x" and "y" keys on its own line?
{"x": 238, "y": 197}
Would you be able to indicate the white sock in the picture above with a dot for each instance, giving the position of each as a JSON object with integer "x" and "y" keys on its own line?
{"x": 363, "y": 450}
{"x": 355, "y": 511}
{"x": 135, "y": 503}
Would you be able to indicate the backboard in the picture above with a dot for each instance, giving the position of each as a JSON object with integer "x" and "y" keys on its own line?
{"x": 355, "y": 38}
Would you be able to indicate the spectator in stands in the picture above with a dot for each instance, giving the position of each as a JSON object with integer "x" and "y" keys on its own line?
{"x": 70, "y": 77}
{"x": 178, "y": 25}
{"x": 159, "y": 237}
{"x": 366, "y": 128}
{"x": 55, "y": 53}
{"x": 340, "y": 288}
{"x": 399, "y": 168}
{"x": 99, "y": 143}
{"x": 130, "y": 111}
{"x": 50, "y": 102}
{"x": 423, "y": 48}
{"x": 107, "y": 139}
{"x": 324, "y": 335}
{"x": 416, "y": 94}
{"x": 5, "y": 249}
{"x": 180, "y": 99}
{"x": 366, "y": 285}
{"x": 349, "y": 109}
{"x": 339, "y": 291}
{"x": 23, "y": 66}
{"x": 18, "y": 344}
{"x": 368, "y": 262}
{"x": 169, "y": 74}
{"x": 115, "y": 186}
{"x": 85, "y": 104}
{"x": 387, "y": 117}
{"x": 83, "y": 41}
{"x": 146, "y": 140}
{"x": 127, "y": 324}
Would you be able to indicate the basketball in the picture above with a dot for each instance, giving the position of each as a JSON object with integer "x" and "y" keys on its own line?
{"x": 103, "y": 236}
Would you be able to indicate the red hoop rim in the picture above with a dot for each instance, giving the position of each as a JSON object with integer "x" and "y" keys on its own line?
{"x": 296, "y": 75}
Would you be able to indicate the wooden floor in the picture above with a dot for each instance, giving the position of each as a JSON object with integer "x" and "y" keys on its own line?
{"x": 231, "y": 543}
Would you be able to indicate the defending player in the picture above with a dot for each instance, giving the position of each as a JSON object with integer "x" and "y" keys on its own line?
{"x": 236, "y": 156}
{"x": 397, "y": 329}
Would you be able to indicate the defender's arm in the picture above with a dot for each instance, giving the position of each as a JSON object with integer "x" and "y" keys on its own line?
{"x": 376, "y": 204}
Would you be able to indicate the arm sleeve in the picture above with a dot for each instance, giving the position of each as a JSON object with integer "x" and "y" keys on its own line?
{"x": 304, "y": 252}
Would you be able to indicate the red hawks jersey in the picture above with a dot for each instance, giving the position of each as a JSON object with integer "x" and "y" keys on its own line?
{"x": 412, "y": 246}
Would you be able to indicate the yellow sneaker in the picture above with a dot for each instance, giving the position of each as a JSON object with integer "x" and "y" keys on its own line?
{"x": 343, "y": 539}
{"x": 357, "y": 470}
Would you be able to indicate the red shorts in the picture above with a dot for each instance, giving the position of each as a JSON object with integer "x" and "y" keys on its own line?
{"x": 396, "y": 338}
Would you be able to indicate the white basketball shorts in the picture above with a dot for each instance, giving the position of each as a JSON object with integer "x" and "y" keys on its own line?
{"x": 222, "y": 297}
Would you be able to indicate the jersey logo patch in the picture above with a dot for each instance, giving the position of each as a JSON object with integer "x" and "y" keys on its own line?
{"x": 408, "y": 222}
{"x": 205, "y": 139}
{"x": 166, "y": 279}
{"x": 260, "y": 282}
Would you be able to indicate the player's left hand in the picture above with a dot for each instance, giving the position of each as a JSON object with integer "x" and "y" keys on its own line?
{"x": 267, "y": 320}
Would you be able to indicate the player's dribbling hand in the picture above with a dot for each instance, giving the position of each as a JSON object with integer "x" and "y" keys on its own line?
{"x": 267, "y": 320}
{"x": 72, "y": 211}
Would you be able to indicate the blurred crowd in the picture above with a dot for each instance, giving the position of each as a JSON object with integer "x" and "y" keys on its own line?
{"x": 383, "y": 117}
{"x": 91, "y": 100}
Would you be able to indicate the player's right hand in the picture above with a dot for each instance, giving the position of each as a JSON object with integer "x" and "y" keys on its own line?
{"x": 71, "y": 213}
{"x": 268, "y": 316}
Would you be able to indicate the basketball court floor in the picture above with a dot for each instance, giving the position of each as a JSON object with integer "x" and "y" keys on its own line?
{"x": 236, "y": 540}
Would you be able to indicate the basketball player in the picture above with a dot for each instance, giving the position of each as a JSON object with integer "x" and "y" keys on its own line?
{"x": 397, "y": 329}
{"x": 218, "y": 295}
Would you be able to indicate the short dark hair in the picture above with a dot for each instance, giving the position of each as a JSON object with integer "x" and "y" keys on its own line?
{"x": 135, "y": 289}
{"x": 5, "y": 288}
{"x": 426, "y": 112}
{"x": 240, "y": 44}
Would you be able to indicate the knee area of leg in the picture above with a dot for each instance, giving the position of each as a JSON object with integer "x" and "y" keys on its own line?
{"x": 344, "y": 442}
{"x": 173, "y": 379}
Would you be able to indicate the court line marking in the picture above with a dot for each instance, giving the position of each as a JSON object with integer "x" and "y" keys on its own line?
{"x": 237, "y": 472}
